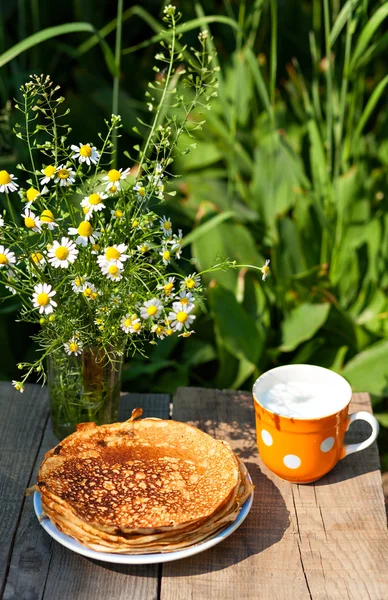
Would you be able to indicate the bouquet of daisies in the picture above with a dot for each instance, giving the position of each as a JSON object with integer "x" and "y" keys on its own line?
{"x": 91, "y": 260}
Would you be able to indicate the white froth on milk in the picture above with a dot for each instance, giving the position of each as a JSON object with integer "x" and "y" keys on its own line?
{"x": 302, "y": 400}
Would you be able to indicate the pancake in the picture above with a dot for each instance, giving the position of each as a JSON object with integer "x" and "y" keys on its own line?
{"x": 141, "y": 486}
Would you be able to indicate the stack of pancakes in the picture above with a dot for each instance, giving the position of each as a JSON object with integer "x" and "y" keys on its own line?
{"x": 142, "y": 486}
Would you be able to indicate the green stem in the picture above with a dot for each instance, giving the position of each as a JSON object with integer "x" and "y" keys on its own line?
{"x": 26, "y": 112}
{"x": 10, "y": 209}
{"x": 116, "y": 79}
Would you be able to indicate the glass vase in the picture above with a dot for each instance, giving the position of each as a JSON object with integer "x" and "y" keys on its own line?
{"x": 83, "y": 388}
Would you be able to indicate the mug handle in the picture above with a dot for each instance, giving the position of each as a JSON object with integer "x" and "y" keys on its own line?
{"x": 373, "y": 422}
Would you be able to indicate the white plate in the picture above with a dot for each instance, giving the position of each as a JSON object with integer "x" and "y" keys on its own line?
{"x": 139, "y": 559}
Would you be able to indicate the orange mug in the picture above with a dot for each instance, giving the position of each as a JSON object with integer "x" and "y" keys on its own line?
{"x": 301, "y": 420}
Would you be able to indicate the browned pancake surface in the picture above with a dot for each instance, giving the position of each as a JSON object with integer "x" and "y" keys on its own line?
{"x": 138, "y": 475}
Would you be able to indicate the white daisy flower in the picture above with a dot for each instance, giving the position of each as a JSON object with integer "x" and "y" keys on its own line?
{"x": 42, "y": 298}
{"x": 31, "y": 221}
{"x": 78, "y": 285}
{"x": 151, "y": 308}
{"x": 180, "y": 317}
{"x": 96, "y": 248}
{"x": 126, "y": 323}
{"x": 93, "y": 203}
{"x": 1, "y": 222}
{"x": 65, "y": 176}
{"x": 191, "y": 282}
{"x": 159, "y": 330}
{"x": 73, "y": 347}
{"x": 135, "y": 326}
{"x": 38, "y": 259}
{"x": 113, "y": 178}
{"x": 7, "y": 258}
{"x": 166, "y": 226}
{"x": 140, "y": 190}
{"x": 84, "y": 232}
{"x": 32, "y": 194}
{"x": 166, "y": 255}
{"x": 47, "y": 218}
{"x": 136, "y": 224}
{"x": 143, "y": 248}
{"x": 62, "y": 254}
{"x": 186, "y": 299}
{"x": 89, "y": 291}
{"x": 18, "y": 385}
{"x": 265, "y": 269}
{"x": 177, "y": 241}
{"x": 49, "y": 174}
{"x": 186, "y": 334}
{"x": 115, "y": 252}
{"x": 7, "y": 182}
{"x": 168, "y": 286}
{"x": 112, "y": 270}
{"x": 117, "y": 214}
{"x": 86, "y": 153}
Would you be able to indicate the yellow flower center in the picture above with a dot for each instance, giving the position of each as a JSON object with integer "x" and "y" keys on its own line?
{"x": 127, "y": 322}
{"x": 85, "y": 229}
{"x": 190, "y": 283}
{"x": 43, "y": 299}
{"x": 167, "y": 225}
{"x": 31, "y": 194}
{"x": 94, "y": 199}
{"x": 36, "y": 257}
{"x": 63, "y": 173}
{"x": 87, "y": 292}
{"x": 144, "y": 249}
{"x": 73, "y": 347}
{"x": 169, "y": 331}
{"x": 113, "y": 189}
{"x": 152, "y": 310}
{"x": 29, "y": 222}
{"x": 49, "y": 171}
{"x": 168, "y": 288}
{"x": 3, "y": 259}
{"x": 159, "y": 330}
{"x": 114, "y": 175}
{"x": 265, "y": 269}
{"x": 166, "y": 255}
{"x": 112, "y": 253}
{"x": 135, "y": 224}
{"x": 93, "y": 295}
{"x": 113, "y": 269}
{"x": 78, "y": 281}
{"x": 96, "y": 247}
{"x": 85, "y": 210}
{"x": 184, "y": 301}
{"x": 181, "y": 316}
{"x": 47, "y": 216}
{"x": 61, "y": 252}
{"x": 85, "y": 150}
{"x": 118, "y": 213}
{"x": 136, "y": 326}
{"x": 141, "y": 191}
{"x": 5, "y": 177}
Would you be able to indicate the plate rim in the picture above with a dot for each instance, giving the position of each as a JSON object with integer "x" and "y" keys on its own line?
{"x": 139, "y": 559}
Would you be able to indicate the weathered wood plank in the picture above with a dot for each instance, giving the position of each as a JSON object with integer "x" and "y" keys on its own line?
{"x": 23, "y": 419}
{"x": 41, "y": 569}
{"x": 327, "y": 540}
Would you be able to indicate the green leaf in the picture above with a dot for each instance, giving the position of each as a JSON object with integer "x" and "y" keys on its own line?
{"x": 42, "y": 36}
{"x": 370, "y": 106}
{"x": 368, "y": 32}
{"x": 340, "y": 22}
{"x": 258, "y": 79}
{"x": 382, "y": 419}
{"x": 237, "y": 330}
{"x": 368, "y": 371}
{"x": 302, "y": 324}
{"x": 206, "y": 227}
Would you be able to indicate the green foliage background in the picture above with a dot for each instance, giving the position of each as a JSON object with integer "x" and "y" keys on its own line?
{"x": 291, "y": 165}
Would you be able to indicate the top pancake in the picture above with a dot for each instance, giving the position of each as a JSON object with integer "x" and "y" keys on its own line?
{"x": 140, "y": 475}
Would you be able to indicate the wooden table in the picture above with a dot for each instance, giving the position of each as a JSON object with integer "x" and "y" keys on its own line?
{"x": 325, "y": 540}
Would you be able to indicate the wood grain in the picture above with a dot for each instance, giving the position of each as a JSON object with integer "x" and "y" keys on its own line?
{"x": 23, "y": 419}
{"x": 42, "y": 569}
{"x": 326, "y": 540}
